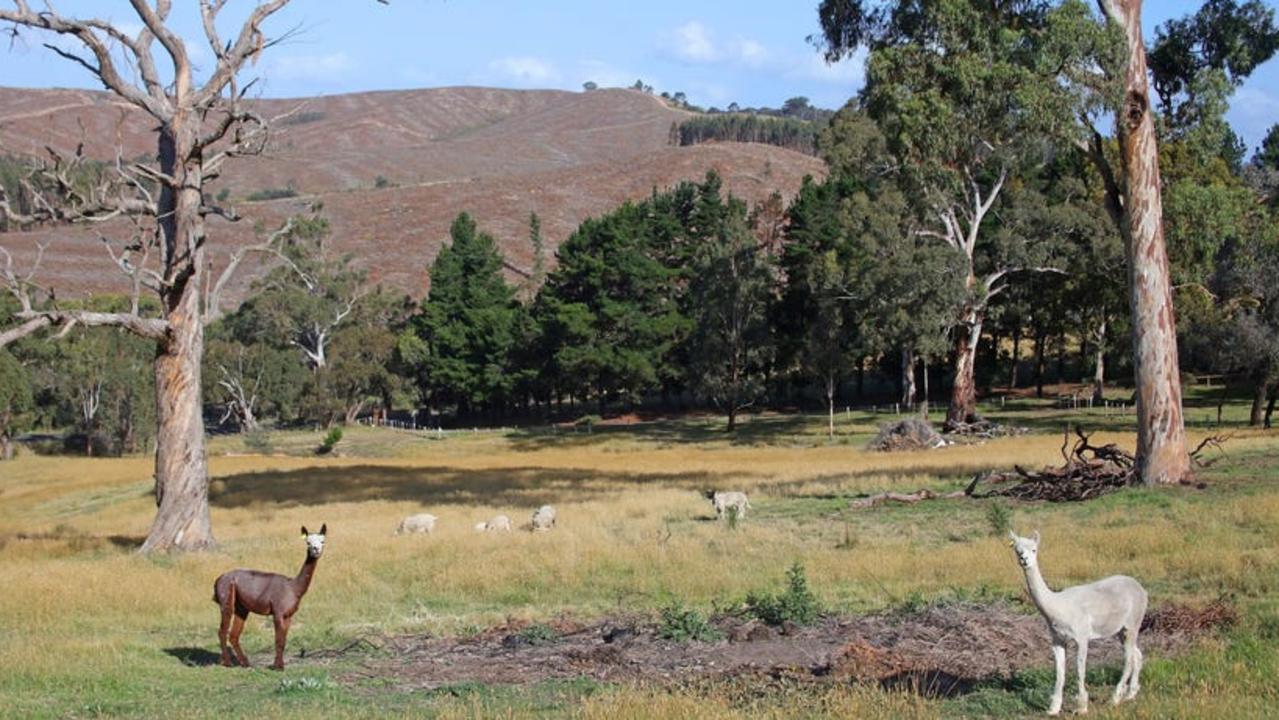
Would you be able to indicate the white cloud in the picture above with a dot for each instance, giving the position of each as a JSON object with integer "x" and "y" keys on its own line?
{"x": 751, "y": 53}
{"x": 695, "y": 43}
{"x": 692, "y": 42}
{"x": 527, "y": 71}
{"x": 850, "y": 71}
{"x": 318, "y": 68}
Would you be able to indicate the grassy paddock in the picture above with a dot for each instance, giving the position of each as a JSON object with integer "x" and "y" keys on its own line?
{"x": 90, "y": 628}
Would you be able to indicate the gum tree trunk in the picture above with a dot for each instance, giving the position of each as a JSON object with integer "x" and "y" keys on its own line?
{"x": 963, "y": 394}
{"x": 1099, "y": 366}
{"x": 1161, "y": 434}
{"x": 908, "y": 378}
{"x": 181, "y": 472}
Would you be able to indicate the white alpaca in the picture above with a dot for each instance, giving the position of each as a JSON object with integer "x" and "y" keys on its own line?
{"x": 1115, "y": 605}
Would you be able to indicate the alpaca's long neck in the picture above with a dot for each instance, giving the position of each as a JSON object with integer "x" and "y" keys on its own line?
{"x": 1045, "y": 599}
{"x": 302, "y": 582}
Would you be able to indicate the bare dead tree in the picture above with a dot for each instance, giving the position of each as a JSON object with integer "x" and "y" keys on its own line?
{"x": 199, "y": 126}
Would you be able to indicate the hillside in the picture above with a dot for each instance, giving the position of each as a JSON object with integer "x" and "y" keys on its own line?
{"x": 498, "y": 154}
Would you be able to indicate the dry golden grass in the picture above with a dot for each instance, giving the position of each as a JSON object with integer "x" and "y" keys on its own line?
{"x": 633, "y": 531}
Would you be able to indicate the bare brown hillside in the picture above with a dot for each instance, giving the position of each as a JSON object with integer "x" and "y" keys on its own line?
{"x": 498, "y": 154}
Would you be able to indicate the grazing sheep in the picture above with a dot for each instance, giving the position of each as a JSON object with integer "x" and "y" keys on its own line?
{"x": 420, "y": 523}
{"x": 544, "y": 518}
{"x": 499, "y": 523}
{"x": 725, "y": 500}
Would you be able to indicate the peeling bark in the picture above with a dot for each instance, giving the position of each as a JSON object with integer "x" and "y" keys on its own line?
{"x": 963, "y": 393}
{"x": 1161, "y": 436}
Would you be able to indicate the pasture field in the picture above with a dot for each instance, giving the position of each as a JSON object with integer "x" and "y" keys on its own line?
{"x": 89, "y": 628}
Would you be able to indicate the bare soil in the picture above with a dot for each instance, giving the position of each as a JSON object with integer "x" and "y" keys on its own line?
{"x": 940, "y": 651}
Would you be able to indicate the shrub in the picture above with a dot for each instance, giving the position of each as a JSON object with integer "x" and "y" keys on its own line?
{"x": 272, "y": 194}
{"x": 302, "y": 118}
{"x": 259, "y": 441}
{"x": 684, "y": 624}
{"x": 539, "y": 634}
{"x": 330, "y": 441}
{"x": 732, "y": 517}
{"x": 1000, "y": 518}
{"x": 381, "y": 181}
{"x": 795, "y": 604}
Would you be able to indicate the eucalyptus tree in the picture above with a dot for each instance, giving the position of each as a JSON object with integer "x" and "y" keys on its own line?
{"x": 967, "y": 95}
{"x": 200, "y": 119}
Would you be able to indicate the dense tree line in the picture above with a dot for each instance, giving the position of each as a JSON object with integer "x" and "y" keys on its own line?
{"x": 790, "y": 133}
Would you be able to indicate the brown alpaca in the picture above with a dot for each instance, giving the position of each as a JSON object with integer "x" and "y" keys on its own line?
{"x": 240, "y": 592}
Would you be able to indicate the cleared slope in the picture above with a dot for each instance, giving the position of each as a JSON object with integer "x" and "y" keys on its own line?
{"x": 498, "y": 154}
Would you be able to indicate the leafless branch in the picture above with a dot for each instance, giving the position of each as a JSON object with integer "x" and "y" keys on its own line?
{"x": 93, "y": 36}
{"x": 269, "y": 246}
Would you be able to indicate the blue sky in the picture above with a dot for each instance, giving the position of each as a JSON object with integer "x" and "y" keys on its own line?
{"x": 752, "y": 52}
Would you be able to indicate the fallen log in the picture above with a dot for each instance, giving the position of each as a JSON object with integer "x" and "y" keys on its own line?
{"x": 904, "y": 498}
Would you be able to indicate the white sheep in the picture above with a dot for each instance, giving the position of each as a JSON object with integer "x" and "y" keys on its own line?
{"x": 544, "y": 518}
{"x": 1112, "y": 606}
{"x": 725, "y": 500}
{"x": 498, "y": 523}
{"x": 420, "y": 523}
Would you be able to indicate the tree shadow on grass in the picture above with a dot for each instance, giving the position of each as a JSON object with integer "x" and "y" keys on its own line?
{"x": 528, "y": 486}
{"x": 193, "y": 656}
{"x": 755, "y": 430}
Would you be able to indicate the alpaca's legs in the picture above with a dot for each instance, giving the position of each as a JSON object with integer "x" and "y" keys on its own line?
{"x": 1134, "y": 681}
{"x": 228, "y": 609}
{"x": 1081, "y": 665}
{"x": 281, "y": 635}
{"x": 1130, "y": 642}
{"x": 237, "y": 627}
{"x": 1059, "y": 659}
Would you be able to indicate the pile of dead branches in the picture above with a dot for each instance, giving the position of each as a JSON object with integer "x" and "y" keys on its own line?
{"x": 1090, "y": 471}
{"x": 908, "y": 434}
{"x": 980, "y": 428}
{"x": 1176, "y": 618}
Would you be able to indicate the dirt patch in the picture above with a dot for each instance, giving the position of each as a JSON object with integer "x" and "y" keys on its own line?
{"x": 942, "y": 650}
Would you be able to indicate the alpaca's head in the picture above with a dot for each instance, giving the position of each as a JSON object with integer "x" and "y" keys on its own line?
{"x": 1027, "y": 549}
{"x": 315, "y": 541}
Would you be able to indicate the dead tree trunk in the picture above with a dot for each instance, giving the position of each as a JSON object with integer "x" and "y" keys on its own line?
{"x": 181, "y": 469}
{"x": 198, "y": 127}
{"x": 1161, "y": 435}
